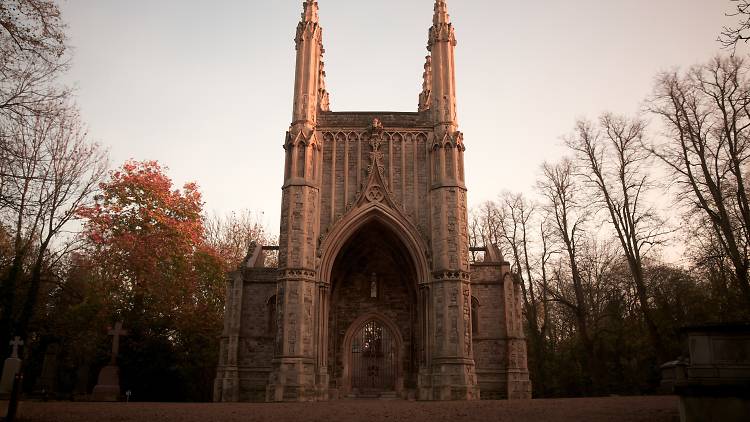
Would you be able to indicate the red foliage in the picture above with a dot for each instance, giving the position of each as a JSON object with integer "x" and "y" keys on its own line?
{"x": 147, "y": 242}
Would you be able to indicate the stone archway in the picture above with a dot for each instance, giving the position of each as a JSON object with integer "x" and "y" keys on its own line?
{"x": 373, "y": 287}
{"x": 392, "y": 221}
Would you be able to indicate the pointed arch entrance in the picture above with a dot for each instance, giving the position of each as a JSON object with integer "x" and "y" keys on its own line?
{"x": 374, "y": 319}
{"x": 373, "y": 349}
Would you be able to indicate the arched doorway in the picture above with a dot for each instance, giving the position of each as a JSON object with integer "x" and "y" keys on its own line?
{"x": 373, "y": 318}
{"x": 374, "y": 357}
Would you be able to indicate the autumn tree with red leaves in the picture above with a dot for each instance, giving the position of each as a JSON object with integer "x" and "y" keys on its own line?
{"x": 149, "y": 260}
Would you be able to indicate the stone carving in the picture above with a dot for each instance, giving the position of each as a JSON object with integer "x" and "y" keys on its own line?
{"x": 324, "y": 99}
{"x": 293, "y": 295}
{"x": 375, "y": 194}
{"x": 307, "y": 328}
{"x": 296, "y": 274}
{"x": 376, "y": 156}
{"x": 292, "y": 335}
{"x": 425, "y": 97}
{"x": 451, "y": 275}
{"x": 467, "y": 320}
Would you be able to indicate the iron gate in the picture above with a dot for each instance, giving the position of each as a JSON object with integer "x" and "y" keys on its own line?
{"x": 374, "y": 358}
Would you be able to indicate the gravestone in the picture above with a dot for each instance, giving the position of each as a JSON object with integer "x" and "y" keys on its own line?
{"x": 11, "y": 367}
{"x": 714, "y": 383}
{"x": 108, "y": 385}
{"x": 46, "y": 384}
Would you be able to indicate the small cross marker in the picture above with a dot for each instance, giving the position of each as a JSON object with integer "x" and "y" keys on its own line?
{"x": 15, "y": 343}
{"x": 116, "y": 333}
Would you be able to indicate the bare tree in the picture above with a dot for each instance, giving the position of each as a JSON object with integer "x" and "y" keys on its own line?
{"x": 568, "y": 216}
{"x": 546, "y": 253}
{"x": 486, "y": 225}
{"x": 52, "y": 169}
{"x": 517, "y": 228}
{"x": 32, "y": 56}
{"x": 232, "y": 235}
{"x": 614, "y": 164}
{"x": 706, "y": 147}
{"x": 732, "y": 35}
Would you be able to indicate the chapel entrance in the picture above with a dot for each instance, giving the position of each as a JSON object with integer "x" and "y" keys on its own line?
{"x": 374, "y": 359}
{"x": 373, "y": 318}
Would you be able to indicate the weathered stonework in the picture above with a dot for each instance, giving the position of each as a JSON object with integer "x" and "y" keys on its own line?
{"x": 374, "y": 294}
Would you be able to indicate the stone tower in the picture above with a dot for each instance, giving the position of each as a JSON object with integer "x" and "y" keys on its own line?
{"x": 374, "y": 294}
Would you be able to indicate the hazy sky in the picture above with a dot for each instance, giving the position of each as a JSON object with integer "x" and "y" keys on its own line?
{"x": 205, "y": 87}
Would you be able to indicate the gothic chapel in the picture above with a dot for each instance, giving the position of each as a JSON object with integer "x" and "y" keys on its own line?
{"x": 374, "y": 294}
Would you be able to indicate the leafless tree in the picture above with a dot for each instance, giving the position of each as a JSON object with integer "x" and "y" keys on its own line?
{"x": 614, "y": 164}
{"x": 732, "y": 35}
{"x": 51, "y": 169}
{"x": 530, "y": 254}
{"x": 232, "y": 235}
{"x": 706, "y": 147}
{"x": 485, "y": 226}
{"x": 32, "y": 56}
{"x": 568, "y": 216}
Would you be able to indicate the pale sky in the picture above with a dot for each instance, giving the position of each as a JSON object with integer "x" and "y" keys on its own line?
{"x": 205, "y": 87}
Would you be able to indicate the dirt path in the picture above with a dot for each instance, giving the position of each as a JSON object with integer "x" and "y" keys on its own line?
{"x": 609, "y": 409}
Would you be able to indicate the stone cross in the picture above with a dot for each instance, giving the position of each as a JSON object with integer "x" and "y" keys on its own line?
{"x": 15, "y": 343}
{"x": 116, "y": 333}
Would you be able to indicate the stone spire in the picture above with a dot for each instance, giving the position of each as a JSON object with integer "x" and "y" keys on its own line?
{"x": 425, "y": 97}
{"x": 452, "y": 361}
{"x": 309, "y": 89}
{"x": 310, "y": 12}
{"x": 441, "y": 12}
{"x": 294, "y": 371}
{"x": 441, "y": 45}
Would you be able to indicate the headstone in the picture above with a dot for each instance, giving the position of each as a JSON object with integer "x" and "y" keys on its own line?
{"x": 11, "y": 367}
{"x": 108, "y": 385}
{"x": 46, "y": 384}
{"x": 714, "y": 383}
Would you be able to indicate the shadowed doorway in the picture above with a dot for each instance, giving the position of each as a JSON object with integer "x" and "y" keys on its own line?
{"x": 373, "y": 316}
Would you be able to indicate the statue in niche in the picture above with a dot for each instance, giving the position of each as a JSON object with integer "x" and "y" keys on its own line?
{"x": 373, "y": 286}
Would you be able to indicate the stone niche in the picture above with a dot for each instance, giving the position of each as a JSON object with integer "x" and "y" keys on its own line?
{"x": 714, "y": 382}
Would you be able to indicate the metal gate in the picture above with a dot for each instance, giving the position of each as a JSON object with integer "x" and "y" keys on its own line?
{"x": 374, "y": 358}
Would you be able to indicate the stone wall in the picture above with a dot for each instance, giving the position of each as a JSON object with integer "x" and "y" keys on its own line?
{"x": 490, "y": 344}
{"x": 257, "y": 332}
{"x": 246, "y": 346}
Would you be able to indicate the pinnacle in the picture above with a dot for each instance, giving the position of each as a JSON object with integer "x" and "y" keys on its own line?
{"x": 441, "y": 12}
{"x": 310, "y": 11}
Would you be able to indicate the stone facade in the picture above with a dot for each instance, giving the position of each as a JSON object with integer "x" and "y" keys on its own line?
{"x": 374, "y": 294}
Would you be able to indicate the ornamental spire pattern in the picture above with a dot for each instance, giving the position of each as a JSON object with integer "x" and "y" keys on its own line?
{"x": 310, "y": 11}
{"x": 310, "y": 94}
{"x": 441, "y": 12}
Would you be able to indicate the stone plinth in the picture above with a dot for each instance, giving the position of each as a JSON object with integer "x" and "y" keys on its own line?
{"x": 714, "y": 384}
{"x": 11, "y": 367}
{"x": 108, "y": 386}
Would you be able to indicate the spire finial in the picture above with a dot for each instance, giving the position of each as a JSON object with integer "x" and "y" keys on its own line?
{"x": 441, "y": 12}
{"x": 310, "y": 12}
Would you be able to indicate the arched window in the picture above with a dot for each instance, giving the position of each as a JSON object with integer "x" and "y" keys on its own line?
{"x": 474, "y": 315}
{"x": 271, "y": 306}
